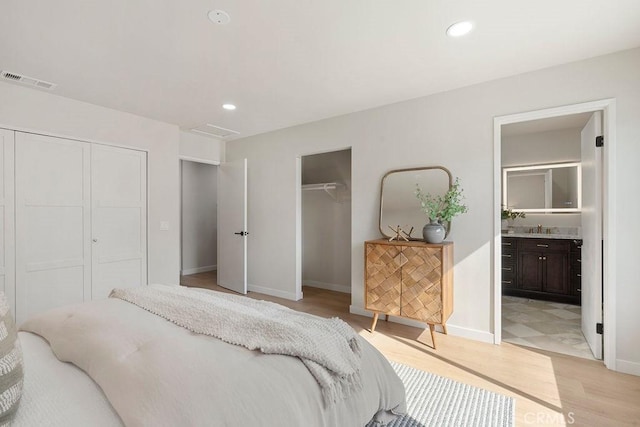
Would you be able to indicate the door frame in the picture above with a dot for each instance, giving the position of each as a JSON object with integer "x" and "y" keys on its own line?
{"x": 298, "y": 276}
{"x": 608, "y": 109}
{"x": 182, "y": 159}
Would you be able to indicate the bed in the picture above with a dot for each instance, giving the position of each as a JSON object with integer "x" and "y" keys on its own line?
{"x": 131, "y": 366}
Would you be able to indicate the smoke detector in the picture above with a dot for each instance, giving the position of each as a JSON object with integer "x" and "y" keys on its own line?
{"x": 219, "y": 17}
{"x": 26, "y": 80}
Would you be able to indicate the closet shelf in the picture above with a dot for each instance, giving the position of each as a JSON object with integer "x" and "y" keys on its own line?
{"x": 333, "y": 189}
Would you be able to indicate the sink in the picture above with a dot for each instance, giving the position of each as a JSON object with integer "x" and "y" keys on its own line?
{"x": 553, "y": 232}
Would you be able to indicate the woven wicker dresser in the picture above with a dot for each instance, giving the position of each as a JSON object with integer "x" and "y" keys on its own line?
{"x": 409, "y": 279}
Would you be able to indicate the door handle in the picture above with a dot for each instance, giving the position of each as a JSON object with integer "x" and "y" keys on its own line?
{"x": 242, "y": 233}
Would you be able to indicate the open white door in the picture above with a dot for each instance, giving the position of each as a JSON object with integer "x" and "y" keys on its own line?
{"x": 592, "y": 233}
{"x": 232, "y": 226}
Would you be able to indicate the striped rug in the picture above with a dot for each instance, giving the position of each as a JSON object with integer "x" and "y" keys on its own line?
{"x": 436, "y": 401}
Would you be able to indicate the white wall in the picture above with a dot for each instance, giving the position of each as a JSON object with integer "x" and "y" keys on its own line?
{"x": 326, "y": 241}
{"x": 453, "y": 129}
{"x": 538, "y": 148}
{"x": 41, "y": 112}
{"x": 555, "y": 146}
{"x": 199, "y": 217}
{"x": 201, "y": 148}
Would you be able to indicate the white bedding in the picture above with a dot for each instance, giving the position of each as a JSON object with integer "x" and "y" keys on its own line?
{"x": 155, "y": 373}
{"x": 58, "y": 394}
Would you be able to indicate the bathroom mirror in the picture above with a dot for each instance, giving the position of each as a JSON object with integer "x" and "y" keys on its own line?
{"x": 543, "y": 188}
{"x": 398, "y": 202}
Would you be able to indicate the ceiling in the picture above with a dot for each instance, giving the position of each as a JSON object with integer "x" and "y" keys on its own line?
{"x": 287, "y": 62}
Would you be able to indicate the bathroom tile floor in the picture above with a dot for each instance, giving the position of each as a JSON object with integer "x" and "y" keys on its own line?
{"x": 545, "y": 325}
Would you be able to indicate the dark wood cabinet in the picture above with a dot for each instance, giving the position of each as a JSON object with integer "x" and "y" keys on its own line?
{"x": 530, "y": 271}
{"x": 509, "y": 270}
{"x": 555, "y": 274}
{"x": 537, "y": 268}
{"x": 575, "y": 270}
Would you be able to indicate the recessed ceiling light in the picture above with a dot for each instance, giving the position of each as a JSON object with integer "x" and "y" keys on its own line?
{"x": 228, "y": 106}
{"x": 459, "y": 29}
{"x": 219, "y": 17}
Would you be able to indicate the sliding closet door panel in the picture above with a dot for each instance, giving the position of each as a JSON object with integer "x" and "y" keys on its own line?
{"x": 7, "y": 229}
{"x": 53, "y": 251}
{"x": 119, "y": 217}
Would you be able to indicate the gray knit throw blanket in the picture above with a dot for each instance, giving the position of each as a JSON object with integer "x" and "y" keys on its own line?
{"x": 329, "y": 348}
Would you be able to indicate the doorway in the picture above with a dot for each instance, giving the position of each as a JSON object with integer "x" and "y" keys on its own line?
{"x": 324, "y": 243}
{"x": 511, "y": 146}
{"x": 198, "y": 222}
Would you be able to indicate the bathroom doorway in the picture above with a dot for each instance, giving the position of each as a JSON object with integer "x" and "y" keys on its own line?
{"x": 546, "y": 296}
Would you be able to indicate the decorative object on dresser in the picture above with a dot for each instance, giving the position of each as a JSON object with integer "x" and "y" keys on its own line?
{"x": 538, "y": 268}
{"x": 399, "y": 233}
{"x": 413, "y": 280}
{"x": 440, "y": 210}
{"x": 433, "y": 232}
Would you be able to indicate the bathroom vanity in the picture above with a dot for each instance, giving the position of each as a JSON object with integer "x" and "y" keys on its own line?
{"x": 542, "y": 267}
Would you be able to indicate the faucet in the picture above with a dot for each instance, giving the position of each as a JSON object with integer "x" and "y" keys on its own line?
{"x": 539, "y": 229}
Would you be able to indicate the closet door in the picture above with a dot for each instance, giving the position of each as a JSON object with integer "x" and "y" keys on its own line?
{"x": 119, "y": 218}
{"x": 7, "y": 229}
{"x": 53, "y": 252}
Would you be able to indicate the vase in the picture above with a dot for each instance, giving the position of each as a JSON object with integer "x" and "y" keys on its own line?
{"x": 433, "y": 232}
{"x": 505, "y": 224}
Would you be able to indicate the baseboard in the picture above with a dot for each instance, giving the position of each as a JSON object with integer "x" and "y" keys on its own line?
{"x": 457, "y": 331}
{"x": 628, "y": 367}
{"x": 275, "y": 292}
{"x": 472, "y": 334}
{"x": 329, "y": 286}
{"x": 204, "y": 269}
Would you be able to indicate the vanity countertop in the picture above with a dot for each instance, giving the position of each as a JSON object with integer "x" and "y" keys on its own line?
{"x": 543, "y": 236}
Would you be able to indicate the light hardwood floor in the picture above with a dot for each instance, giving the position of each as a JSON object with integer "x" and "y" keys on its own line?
{"x": 549, "y": 388}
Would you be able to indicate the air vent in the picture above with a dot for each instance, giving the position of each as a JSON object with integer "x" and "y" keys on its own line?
{"x": 30, "y": 81}
{"x": 215, "y": 131}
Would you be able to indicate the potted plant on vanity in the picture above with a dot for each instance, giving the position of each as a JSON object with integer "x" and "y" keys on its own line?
{"x": 440, "y": 210}
{"x": 509, "y": 216}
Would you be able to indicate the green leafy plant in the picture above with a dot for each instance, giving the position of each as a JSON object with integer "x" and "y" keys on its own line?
{"x": 507, "y": 213}
{"x": 442, "y": 208}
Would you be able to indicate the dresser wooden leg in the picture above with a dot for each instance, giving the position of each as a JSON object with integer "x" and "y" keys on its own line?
{"x": 386, "y": 317}
{"x": 432, "y": 329}
{"x": 444, "y": 329}
{"x": 375, "y": 320}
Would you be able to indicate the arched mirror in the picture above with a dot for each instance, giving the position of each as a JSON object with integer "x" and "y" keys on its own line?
{"x": 398, "y": 203}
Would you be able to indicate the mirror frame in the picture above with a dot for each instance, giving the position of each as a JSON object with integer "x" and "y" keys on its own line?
{"x": 447, "y": 225}
{"x": 577, "y": 165}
